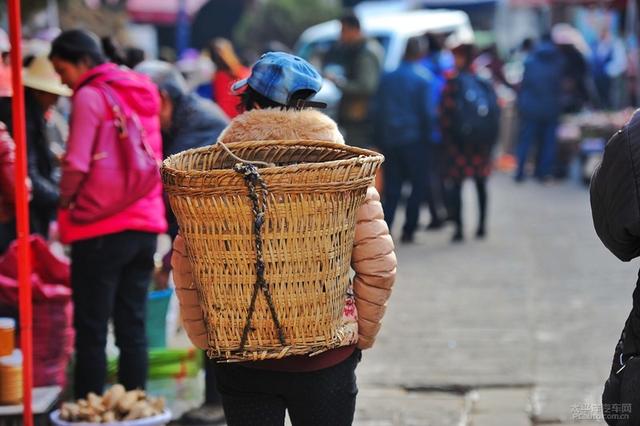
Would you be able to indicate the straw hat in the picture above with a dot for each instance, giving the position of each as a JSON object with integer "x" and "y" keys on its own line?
{"x": 40, "y": 75}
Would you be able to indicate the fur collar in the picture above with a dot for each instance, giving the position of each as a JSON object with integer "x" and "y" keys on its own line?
{"x": 277, "y": 124}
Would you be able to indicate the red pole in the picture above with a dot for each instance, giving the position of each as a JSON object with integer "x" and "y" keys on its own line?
{"x": 22, "y": 209}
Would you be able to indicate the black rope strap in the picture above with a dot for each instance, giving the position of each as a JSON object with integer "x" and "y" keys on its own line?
{"x": 259, "y": 204}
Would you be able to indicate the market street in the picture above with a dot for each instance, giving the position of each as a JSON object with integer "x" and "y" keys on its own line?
{"x": 517, "y": 328}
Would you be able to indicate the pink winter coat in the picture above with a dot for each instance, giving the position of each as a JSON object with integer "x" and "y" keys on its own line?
{"x": 373, "y": 257}
{"x": 89, "y": 110}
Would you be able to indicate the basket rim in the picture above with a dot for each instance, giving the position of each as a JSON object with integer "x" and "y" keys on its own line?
{"x": 363, "y": 156}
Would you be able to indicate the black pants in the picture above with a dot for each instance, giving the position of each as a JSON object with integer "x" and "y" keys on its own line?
{"x": 405, "y": 163}
{"x": 260, "y": 397}
{"x": 456, "y": 202}
{"x": 434, "y": 188}
{"x": 211, "y": 394}
{"x": 110, "y": 276}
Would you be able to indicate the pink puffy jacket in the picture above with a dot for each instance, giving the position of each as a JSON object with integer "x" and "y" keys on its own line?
{"x": 89, "y": 110}
{"x": 373, "y": 257}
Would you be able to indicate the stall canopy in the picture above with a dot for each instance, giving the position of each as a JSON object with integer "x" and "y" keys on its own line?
{"x": 161, "y": 11}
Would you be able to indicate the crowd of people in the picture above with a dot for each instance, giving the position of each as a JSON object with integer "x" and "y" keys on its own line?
{"x": 437, "y": 116}
{"x": 434, "y": 118}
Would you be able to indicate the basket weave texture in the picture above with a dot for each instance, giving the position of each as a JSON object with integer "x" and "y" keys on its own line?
{"x": 313, "y": 192}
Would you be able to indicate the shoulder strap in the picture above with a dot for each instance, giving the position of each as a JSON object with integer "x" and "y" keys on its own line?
{"x": 115, "y": 107}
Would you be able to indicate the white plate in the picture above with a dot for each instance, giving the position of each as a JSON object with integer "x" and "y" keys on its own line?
{"x": 158, "y": 420}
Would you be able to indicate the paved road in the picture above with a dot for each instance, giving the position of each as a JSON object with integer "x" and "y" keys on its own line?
{"x": 512, "y": 330}
{"x": 515, "y": 330}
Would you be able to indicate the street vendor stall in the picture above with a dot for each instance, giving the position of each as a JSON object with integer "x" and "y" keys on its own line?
{"x": 584, "y": 136}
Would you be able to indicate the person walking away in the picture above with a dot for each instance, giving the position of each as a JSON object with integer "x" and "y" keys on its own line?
{"x": 41, "y": 93}
{"x": 576, "y": 79}
{"x": 403, "y": 127}
{"x": 229, "y": 70}
{"x": 188, "y": 121}
{"x": 539, "y": 108}
{"x": 440, "y": 63}
{"x": 609, "y": 63}
{"x": 111, "y": 220}
{"x": 614, "y": 201}
{"x": 354, "y": 64}
{"x": 470, "y": 118}
{"x": 260, "y": 392}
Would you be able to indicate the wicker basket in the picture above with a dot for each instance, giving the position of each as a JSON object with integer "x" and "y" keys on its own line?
{"x": 314, "y": 190}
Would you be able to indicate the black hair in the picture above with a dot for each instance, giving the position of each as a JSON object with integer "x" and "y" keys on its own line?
{"x": 78, "y": 46}
{"x": 350, "y": 20}
{"x": 415, "y": 48}
{"x": 133, "y": 56}
{"x": 113, "y": 50}
{"x": 527, "y": 44}
{"x": 250, "y": 98}
{"x": 433, "y": 42}
{"x": 26, "y": 61}
{"x": 468, "y": 52}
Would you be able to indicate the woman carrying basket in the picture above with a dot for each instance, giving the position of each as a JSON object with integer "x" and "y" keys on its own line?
{"x": 318, "y": 390}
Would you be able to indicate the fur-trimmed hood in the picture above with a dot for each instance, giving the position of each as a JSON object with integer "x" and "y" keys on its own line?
{"x": 277, "y": 124}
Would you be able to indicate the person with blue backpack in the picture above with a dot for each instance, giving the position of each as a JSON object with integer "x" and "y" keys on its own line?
{"x": 440, "y": 62}
{"x": 469, "y": 119}
{"x": 539, "y": 107}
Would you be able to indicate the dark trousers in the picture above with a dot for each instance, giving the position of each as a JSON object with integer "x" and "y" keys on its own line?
{"x": 435, "y": 190}
{"x": 211, "y": 394}
{"x": 542, "y": 133}
{"x": 405, "y": 163}
{"x": 260, "y": 397}
{"x": 456, "y": 202}
{"x": 110, "y": 276}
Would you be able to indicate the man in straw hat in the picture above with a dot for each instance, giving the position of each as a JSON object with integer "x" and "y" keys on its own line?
{"x": 42, "y": 91}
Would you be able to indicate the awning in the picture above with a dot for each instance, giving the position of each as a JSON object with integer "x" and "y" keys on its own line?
{"x": 161, "y": 11}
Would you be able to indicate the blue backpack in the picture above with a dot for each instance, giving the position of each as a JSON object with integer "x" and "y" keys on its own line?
{"x": 477, "y": 111}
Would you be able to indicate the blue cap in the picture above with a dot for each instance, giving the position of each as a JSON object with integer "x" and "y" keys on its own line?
{"x": 278, "y": 75}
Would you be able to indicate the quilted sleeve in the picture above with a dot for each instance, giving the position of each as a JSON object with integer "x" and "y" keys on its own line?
{"x": 190, "y": 311}
{"x": 374, "y": 261}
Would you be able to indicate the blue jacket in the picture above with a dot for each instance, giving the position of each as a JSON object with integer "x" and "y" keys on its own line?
{"x": 540, "y": 93}
{"x": 439, "y": 64}
{"x": 404, "y": 109}
{"x": 197, "y": 122}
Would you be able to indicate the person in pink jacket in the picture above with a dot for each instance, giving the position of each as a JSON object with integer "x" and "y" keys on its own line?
{"x": 318, "y": 390}
{"x": 111, "y": 257}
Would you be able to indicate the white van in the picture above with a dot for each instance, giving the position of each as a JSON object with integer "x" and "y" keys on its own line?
{"x": 391, "y": 30}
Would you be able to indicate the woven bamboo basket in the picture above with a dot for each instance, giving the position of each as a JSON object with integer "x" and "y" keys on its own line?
{"x": 313, "y": 191}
